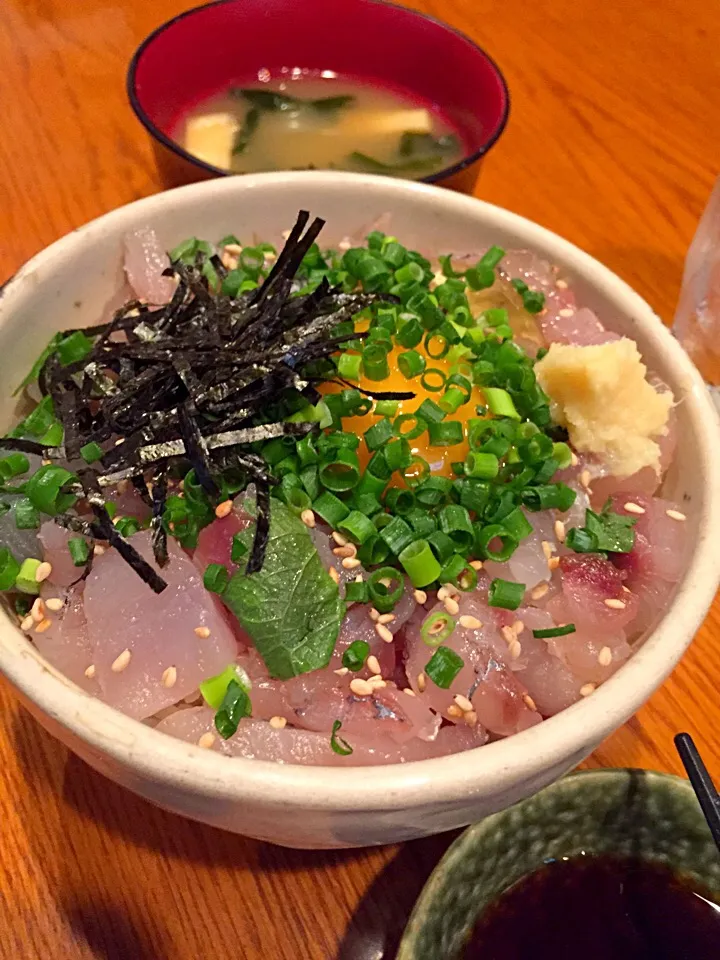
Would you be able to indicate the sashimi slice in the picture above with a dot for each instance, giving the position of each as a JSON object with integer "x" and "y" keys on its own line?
{"x": 66, "y": 643}
{"x": 158, "y": 630}
{"x": 592, "y": 594}
{"x": 55, "y": 550}
{"x": 256, "y": 739}
{"x": 145, "y": 261}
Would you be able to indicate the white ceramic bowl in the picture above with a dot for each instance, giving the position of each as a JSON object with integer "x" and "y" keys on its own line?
{"x": 69, "y": 284}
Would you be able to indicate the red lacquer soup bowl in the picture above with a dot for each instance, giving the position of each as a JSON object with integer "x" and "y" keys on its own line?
{"x": 204, "y": 51}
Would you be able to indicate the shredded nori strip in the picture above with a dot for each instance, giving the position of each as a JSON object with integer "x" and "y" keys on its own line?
{"x": 192, "y": 384}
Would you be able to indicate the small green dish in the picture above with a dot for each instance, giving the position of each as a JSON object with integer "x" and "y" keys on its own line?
{"x": 634, "y": 813}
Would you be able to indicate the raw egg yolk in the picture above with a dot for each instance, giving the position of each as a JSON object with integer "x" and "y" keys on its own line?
{"x": 439, "y": 459}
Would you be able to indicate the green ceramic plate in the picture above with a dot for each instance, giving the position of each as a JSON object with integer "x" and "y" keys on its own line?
{"x": 628, "y": 812}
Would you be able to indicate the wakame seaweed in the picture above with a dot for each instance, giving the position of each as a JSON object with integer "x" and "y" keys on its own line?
{"x": 191, "y": 384}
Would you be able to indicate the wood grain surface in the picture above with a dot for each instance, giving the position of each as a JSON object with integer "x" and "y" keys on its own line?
{"x": 613, "y": 142}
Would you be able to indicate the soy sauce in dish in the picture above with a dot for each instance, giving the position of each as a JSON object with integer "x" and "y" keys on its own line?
{"x": 599, "y": 908}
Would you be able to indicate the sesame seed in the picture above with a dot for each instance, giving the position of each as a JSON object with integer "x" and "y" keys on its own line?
{"x": 561, "y": 284}
{"x": 373, "y": 664}
{"x": 206, "y": 740}
{"x": 469, "y": 623}
{"x": 442, "y": 593}
{"x": 565, "y": 312}
{"x": 420, "y": 596}
{"x": 43, "y": 625}
{"x": 421, "y": 682}
{"x": 587, "y": 689}
{"x": 343, "y": 671}
{"x": 169, "y": 677}
{"x": 277, "y": 723}
{"x": 334, "y": 575}
{"x": 476, "y": 564}
{"x": 373, "y": 614}
{"x": 351, "y": 563}
{"x": 377, "y": 683}
{"x": 37, "y": 611}
{"x": 554, "y": 563}
{"x": 514, "y": 649}
{"x": 470, "y": 718}
{"x": 361, "y": 688}
{"x": 223, "y": 509}
{"x": 559, "y": 528}
{"x": 90, "y": 671}
{"x": 202, "y": 632}
{"x": 675, "y": 515}
{"x": 518, "y": 627}
{"x": 27, "y": 624}
{"x": 308, "y": 518}
{"x": 345, "y": 551}
{"x": 386, "y": 618}
{"x": 631, "y": 507}
{"x": 539, "y": 592}
{"x": 463, "y": 702}
{"x": 605, "y": 657}
{"x": 121, "y": 661}
{"x": 573, "y": 459}
{"x": 529, "y": 702}
{"x": 452, "y": 606}
{"x": 546, "y": 549}
{"x": 454, "y": 711}
{"x": 359, "y": 578}
{"x": 339, "y": 539}
{"x": 54, "y": 603}
{"x": 409, "y": 692}
{"x": 98, "y": 550}
{"x": 585, "y": 478}
{"x": 615, "y": 604}
{"x": 382, "y": 631}
{"x": 43, "y": 571}
{"x": 508, "y": 634}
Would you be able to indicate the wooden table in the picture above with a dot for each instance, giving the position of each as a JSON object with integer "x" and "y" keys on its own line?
{"x": 612, "y": 142}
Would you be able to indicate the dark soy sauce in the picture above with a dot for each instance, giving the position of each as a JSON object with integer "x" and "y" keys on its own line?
{"x": 599, "y": 908}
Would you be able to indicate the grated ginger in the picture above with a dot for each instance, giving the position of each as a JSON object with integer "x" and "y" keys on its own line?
{"x": 600, "y": 394}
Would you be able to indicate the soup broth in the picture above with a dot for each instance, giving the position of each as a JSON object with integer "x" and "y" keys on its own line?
{"x": 314, "y": 123}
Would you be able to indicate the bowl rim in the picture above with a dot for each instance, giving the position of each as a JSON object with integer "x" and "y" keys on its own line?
{"x": 156, "y": 133}
{"x": 472, "y": 835}
{"x": 559, "y": 741}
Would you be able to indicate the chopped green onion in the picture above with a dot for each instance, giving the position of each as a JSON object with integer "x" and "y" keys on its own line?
{"x": 76, "y": 346}
{"x": 381, "y": 596}
{"x": 238, "y": 550}
{"x": 330, "y": 509}
{"x": 492, "y": 257}
{"x": 563, "y": 454}
{"x": 445, "y": 434}
{"x": 397, "y": 535}
{"x": 500, "y": 402}
{"x": 480, "y": 277}
{"x": 441, "y": 545}
{"x": 554, "y": 496}
{"x": 398, "y": 454}
{"x": 410, "y": 273}
{"x": 455, "y": 522}
{"x": 419, "y": 563}
{"x": 436, "y": 627}
{"x": 213, "y": 689}
{"x": 554, "y": 632}
{"x": 436, "y": 345}
{"x": 127, "y": 526}
{"x": 474, "y": 494}
{"x": 443, "y": 667}
{"x": 26, "y": 516}
{"x": 25, "y": 579}
{"x": 430, "y": 411}
{"x": 517, "y": 524}
{"x": 91, "y": 452}
{"x": 79, "y": 551}
{"x": 452, "y": 399}
{"x": 348, "y": 365}
{"x": 215, "y": 578}
{"x": 458, "y": 572}
{"x": 14, "y": 465}
{"x": 482, "y": 466}
{"x": 433, "y": 491}
{"x": 433, "y": 380}
{"x": 235, "y": 706}
{"x": 386, "y": 408}
{"x": 505, "y": 594}
{"x": 422, "y": 522}
{"x": 411, "y": 364}
{"x": 378, "y": 434}
{"x": 339, "y": 746}
{"x": 356, "y": 592}
{"x": 342, "y": 473}
{"x": 356, "y": 654}
{"x": 416, "y": 473}
{"x": 399, "y": 501}
{"x": 373, "y": 551}
{"x": 367, "y": 503}
{"x": 9, "y": 569}
{"x": 417, "y": 428}
{"x": 375, "y": 362}
{"x": 357, "y": 527}
{"x": 486, "y": 535}
{"x": 306, "y": 451}
{"x": 410, "y": 334}
{"x": 46, "y": 489}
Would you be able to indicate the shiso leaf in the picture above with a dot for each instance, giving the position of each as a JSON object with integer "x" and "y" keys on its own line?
{"x": 292, "y": 607}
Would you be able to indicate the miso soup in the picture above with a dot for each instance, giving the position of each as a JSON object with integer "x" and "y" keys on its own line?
{"x": 315, "y": 123}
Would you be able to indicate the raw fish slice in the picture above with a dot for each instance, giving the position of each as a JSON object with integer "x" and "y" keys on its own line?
{"x": 55, "y": 550}
{"x": 581, "y": 652}
{"x": 528, "y": 266}
{"x": 587, "y": 582}
{"x": 66, "y": 644}
{"x": 485, "y": 679}
{"x": 215, "y": 541}
{"x": 552, "y": 686}
{"x": 129, "y": 503}
{"x": 158, "y": 630}
{"x": 321, "y": 536}
{"x": 145, "y": 261}
{"x": 582, "y": 328}
{"x": 661, "y": 541}
{"x": 256, "y": 739}
{"x": 357, "y": 625}
{"x": 528, "y": 564}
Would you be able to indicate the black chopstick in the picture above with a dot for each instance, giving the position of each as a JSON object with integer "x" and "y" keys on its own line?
{"x": 705, "y": 789}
